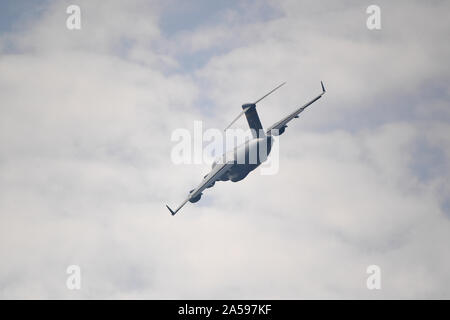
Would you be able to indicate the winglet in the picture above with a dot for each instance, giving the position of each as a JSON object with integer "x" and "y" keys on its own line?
{"x": 323, "y": 88}
{"x": 171, "y": 211}
{"x": 181, "y": 206}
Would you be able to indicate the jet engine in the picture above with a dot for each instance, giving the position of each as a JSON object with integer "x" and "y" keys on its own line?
{"x": 195, "y": 199}
{"x": 280, "y": 131}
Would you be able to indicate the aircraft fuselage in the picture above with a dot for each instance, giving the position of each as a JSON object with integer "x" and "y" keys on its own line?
{"x": 246, "y": 157}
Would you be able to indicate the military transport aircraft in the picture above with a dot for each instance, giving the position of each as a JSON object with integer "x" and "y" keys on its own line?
{"x": 227, "y": 167}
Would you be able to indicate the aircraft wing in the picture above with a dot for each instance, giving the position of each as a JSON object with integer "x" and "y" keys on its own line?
{"x": 282, "y": 123}
{"x": 209, "y": 179}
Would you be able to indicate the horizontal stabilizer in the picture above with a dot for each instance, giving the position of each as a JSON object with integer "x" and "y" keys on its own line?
{"x": 250, "y": 105}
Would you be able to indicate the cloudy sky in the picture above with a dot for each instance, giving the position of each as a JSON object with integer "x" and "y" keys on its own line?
{"x": 86, "y": 118}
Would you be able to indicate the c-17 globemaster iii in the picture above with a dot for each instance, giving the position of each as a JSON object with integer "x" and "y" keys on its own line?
{"x": 228, "y": 167}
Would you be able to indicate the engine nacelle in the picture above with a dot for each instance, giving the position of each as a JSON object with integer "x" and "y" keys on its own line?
{"x": 195, "y": 199}
{"x": 280, "y": 131}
